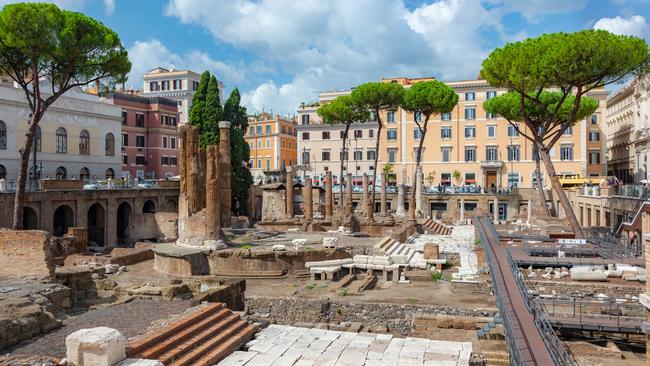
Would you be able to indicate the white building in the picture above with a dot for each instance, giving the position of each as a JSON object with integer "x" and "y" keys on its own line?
{"x": 178, "y": 85}
{"x": 79, "y": 135}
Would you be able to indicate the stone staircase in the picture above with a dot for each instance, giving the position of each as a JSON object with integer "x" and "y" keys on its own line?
{"x": 398, "y": 252}
{"x": 436, "y": 227}
{"x": 202, "y": 338}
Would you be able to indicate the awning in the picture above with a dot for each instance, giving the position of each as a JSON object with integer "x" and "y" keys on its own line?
{"x": 470, "y": 181}
{"x": 446, "y": 181}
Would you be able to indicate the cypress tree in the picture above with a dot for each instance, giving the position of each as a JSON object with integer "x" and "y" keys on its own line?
{"x": 242, "y": 178}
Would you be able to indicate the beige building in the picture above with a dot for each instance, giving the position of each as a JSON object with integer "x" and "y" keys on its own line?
{"x": 483, "y": 148}
{"x": 178, "y": 85}
{"x": 272, "y": 143}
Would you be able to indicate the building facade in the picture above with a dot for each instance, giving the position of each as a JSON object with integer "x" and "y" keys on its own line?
{"x": 177, "y": 85}
{"x": 272, "y": 142}
{"x": 78, "y": 136}
{"x": 149, "y": 136}
{"x": 483, "y": 148}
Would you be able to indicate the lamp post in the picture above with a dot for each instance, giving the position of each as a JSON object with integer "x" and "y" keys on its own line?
{"x": 512, "y": 164}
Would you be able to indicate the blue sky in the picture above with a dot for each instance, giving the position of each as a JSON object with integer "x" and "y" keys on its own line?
{"x": 282, "y": 52}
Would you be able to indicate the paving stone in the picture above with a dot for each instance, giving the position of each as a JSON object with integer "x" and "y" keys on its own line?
{"x": 237, "y": 358}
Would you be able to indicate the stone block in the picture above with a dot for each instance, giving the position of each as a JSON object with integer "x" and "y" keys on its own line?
{"x": 431, "y": 251}
{"x": 99, "y": 346}
{"x": 26, "y": 253}
{"x": 330, "y": 242}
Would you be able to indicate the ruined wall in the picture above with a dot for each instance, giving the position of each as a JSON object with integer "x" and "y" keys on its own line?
{"x": 162, "y": 226}
{"x": 273, "y": 207}
{"x": 26, "y": 253}
{"x": 587, "y": 290}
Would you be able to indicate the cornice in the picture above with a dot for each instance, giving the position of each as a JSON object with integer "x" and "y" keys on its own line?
{"x": 23, "y": 105}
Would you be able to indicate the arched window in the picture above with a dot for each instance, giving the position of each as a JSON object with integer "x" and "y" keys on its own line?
{"x": 37, "y": 139}
{"x": 61, "y": 173}
{"x": 110, "y": 144}
{"x": 84, "y": 173}
{"x": 84, "y": 143}
{"x": 3, "y": 136}
{"x": 61, "y": 140}
{"x": 110, "y": 173}
{"x": 3, "y": 172}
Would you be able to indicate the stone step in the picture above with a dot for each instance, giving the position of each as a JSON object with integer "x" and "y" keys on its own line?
{"x": 381, "y": 244}
{"x": 357, "y": 287}
{"x": 223, "y": 350}
{"x": 149, "y": 340}
{"x": 393, "y": 247}
{"x": 190, "y": 334}
{"x": 219, "y": 337}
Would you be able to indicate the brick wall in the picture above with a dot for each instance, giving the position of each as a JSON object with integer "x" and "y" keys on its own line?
{"x": 26, "y": 253}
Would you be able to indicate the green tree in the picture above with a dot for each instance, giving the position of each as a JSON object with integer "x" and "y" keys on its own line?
{"x": 509, "y": 106}
{"x": 242, "y": 179}
{"x": 343, "y": 110}
{"x": 376, "y": 97}
{"x": 456, "y": 176}
{"x": 41, "y": 44}
{"x": 425, "y": 99}
{"x": 206, "y": 111}
{"x": 574, "y": 64}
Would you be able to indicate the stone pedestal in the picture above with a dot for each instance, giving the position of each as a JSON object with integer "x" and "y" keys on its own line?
{"x": 308, "y": 193}
{"x": 348, "y": 190}
{"x": 418, "y": 192}
{"x": 289, "y": 193}
{"x": 383, "y": 209}
{"x": 225, "y": 171}
{"x": 329, "y": 198}
{"x": 400, "y": 200}
{"x": 99, "y": 346}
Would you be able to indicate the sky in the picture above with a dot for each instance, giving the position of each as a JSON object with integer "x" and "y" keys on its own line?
{"x": 280, "y": 53}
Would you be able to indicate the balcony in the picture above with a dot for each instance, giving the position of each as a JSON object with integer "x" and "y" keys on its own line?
{"x": 491, "y": 164}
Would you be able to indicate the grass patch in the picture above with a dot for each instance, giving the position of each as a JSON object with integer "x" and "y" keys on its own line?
{"x": 344, "y": 292}
{"x": 310, "y": 286}
{"x": 477, "y": 241}
{"x": 308, "y": 248}
{"x": 438, "y": 276}
{"x": 246, "y": 247}
{"x": 339, "y": 311}
{"x": 411, "y": 301}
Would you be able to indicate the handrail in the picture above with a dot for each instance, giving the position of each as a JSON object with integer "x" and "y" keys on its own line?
{"x": 637, "y": 208}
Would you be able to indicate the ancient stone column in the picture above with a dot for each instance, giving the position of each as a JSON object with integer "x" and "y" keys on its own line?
{"x": 530, "y": 210}
{"x": 418, "y": 191}
{"x": 289, "y": 191}
{"x": 225, "y": 171}
{"x": 212, "y": 197}
{"x": 412, "y": 205}
{"x": 307, "y": 193}
{"x": 329, "y": 198}
{"x": 383, "y": 194}
{"x": 348, "y": 191}
{"x": 364, "y": 195}
{"x": 462, "y": 210}
{"x": 400, "y": 200}
{"x": 495, "y": 210}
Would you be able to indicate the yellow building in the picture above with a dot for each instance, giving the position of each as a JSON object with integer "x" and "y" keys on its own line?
{"x": 272, "y": 142}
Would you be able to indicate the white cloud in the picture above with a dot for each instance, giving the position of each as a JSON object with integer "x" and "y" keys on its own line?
{"x": 634, "y": 25}
{"x": 109, "y": 6}
{"x": 146, "y": 55}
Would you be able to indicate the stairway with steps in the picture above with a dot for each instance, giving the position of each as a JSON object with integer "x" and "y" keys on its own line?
{"x": 436, "y": 227}
{"x": 401, "y": 254}
{"x": 202, "y": 338}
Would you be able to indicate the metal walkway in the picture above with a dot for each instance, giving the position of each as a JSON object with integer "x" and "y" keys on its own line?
{"x": 530, "y": 338}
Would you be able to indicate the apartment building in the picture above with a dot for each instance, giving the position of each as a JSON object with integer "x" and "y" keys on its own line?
{"x": 78, "y": 137}
{"x": 177, "y": 85}
{"x": 628, "y": 131}
{"x": 272, "y": 142}
{"x": 484, "y": 148}
{"x": 149, "y": 136}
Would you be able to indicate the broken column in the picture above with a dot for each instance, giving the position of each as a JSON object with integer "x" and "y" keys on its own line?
{"x": 530, "y": 210}
{"x": 307, "y": 193}
{"x": 462, "y": 210}
{"x": 225, "y": 171}
{"x": 418, "y": 191}
{"x": 348, "y": 191}
{"x": 329, "y": 198}
{"x": 364, "y": 195}
{"x": 367, "y": 202}
{"x": 411, "y": 207}
{"x": 212, "y": 196}
{"x": 383, "y": 194}
{"x": 495, "y": 210}
{"x": 289, "y": 193}
{"x": 191, "y": 199}
{"x": 400, "y": 200}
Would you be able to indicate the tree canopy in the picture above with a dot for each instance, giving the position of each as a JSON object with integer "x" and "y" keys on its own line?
{"x": 430, "y": 97}
{"x": 343, "y": 110}
{"x": 378, "y": 95}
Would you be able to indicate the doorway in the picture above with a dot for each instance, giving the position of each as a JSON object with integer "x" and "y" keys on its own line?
{"x": 30, "y": 219}
{"x": 96, "y": 224}
{"x": 63, "y": 219}
{"x": 123, "y": 220}
{"x": 490, "y": 180}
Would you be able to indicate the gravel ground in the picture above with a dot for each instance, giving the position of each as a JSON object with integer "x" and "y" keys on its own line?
{"x": 131, "y": 319}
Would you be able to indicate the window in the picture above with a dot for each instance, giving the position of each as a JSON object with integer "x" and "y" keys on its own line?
{"x": 391, "y": 134}
{"x": 513, "y": 180}
{"x": 341, "y": 134}
{"x": 37, "y": 139}
{"x": 470, "y": 132}
{"x": 418, "y": 116}
{"x": 492, "y": 131}
{"x": 594, "y": 136}
{"x": 305, "y": 119}
{"x": 470, "y": 153}
{"x": 268, "y": 142}
{"x": 124, "y": 118}
{"x": 513, "y": 153}
{"x": 534, "y": 179}
{"x": 259, "y": 130}
{"x": 568, "y": 131}
{"x": 566, "y": 152}
{"x": 125, "y": 160}
{"x": 164, "y": 142}
{"x": 284, "y": 129}
{"x": 470, "y": 178}
{"x": 512, "y": 131}
{"x": 252, "y": 145}
{"x": 358, "y": 134}
{"x": 84, "y": 173}
{"x": 469, "y": 96}
{"x": 268, "y": 129}
{"x": 344, "y": 156}
{"x": 139, "y": 141}
{"x": 153, "y": 86}
{"x": 417, "y": 133}
{"x": 358, "y": 155}
{"x": 371, "y": 133}
{"x": 370, "y": 155}
{"x": 373, "y": 116}
{"x": 284, "y": 143}
{"x": 594, "y": 157}
{"x": 445, "y": 132}
{"x": 3, "y": 172}
{"x": 268, "y": 164}
{"x": 251, "y": 130}
{"x": 326, "y": 135}
{"x": 139, "y": 160}
{"x": 195, "y": 85}
{"x": 470, "y": 113}
{"x": 259, "y": 163}
{"x": 110, "y": 173}
{"x": 446, "y": 153}
{"x": 325, "y": 156}
{"x": 490, "y": 94}
{"x": 125, "y": 139}
{"x": 61, "y": 173}
{"x": 259, "y": 144}
{"x": 109, "y": 145}
{"x": 305, "y": 135}
{"x": 490, "y": 115}
{"x": 61, "y": 140}
{"x": 390, "y": 117}
{"x": 172, "y": 142}
{"x": 177, "y": 84}
{"x": 446, "y": 116}
{"x": 164, "y": 160}
{"x": 172, "y": 121}
{"x": 139, "y": 120}
{"x": 594, "y": 119}
{"x": 3, "y": 136}
{"x": 392, "y": 155}
{"x": 491, "y": 153}
{"x": 164, "y": 85}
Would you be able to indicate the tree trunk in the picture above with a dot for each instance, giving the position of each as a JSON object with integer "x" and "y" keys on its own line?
{"x": 374, "y": 171}
{"x": 564, "y": 201}
{"x": 539, "y": 186}
{"x": 21, "y": 182}
{"x": 343, "y": 156}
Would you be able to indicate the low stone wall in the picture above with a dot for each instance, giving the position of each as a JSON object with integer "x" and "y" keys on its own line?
{"x": 26, "y": 253}
{"x": 46, "y": 184}
{"x": 403, "y": 232}
{"x": 398, "y": 318}
{"x": 590, "y": 289}
{"x": 230, "y": 292}
{"x": 121, "y": 256}
{"x": 162, "y": 226}
{"x": 471, "y": 287}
